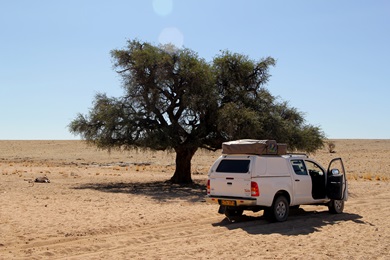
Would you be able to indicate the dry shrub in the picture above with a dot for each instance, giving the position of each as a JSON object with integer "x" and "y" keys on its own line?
{"x": 367, "y": 176}
{"x": 377, "y": 177}
{"x": 352, "y": 176}
{"x": 331, "y": 146}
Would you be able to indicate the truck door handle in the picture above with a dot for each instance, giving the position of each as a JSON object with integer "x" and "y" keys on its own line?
{"x": 297, "y": 180}
{"x": 229, "y": 183}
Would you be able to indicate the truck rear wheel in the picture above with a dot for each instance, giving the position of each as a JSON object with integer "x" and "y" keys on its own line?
{"x": 279, "y": 210}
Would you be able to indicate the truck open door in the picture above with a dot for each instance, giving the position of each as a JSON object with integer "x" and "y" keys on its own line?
{"x": 336, "y": 187}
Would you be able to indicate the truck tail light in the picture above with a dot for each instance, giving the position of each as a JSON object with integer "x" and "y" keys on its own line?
{"x": 255, "y": 192}
{"x": 208, "y": 186}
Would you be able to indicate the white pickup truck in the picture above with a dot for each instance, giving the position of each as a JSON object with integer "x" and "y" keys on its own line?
{"x": 274, "y": 183}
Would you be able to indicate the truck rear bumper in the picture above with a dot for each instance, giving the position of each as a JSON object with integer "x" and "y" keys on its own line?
{"x": 231, "y": 201}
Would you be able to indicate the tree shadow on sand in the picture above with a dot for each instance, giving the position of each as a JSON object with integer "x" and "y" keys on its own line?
{"x": 160, "y": 190}
{"x": 300, "y": 222}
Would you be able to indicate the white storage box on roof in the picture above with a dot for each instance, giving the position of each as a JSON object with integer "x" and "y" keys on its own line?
{"x": 251, "y": 146}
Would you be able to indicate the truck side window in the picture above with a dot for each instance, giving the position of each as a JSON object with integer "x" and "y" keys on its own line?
{"x": 233, "y": 166}
{"x": 314, "y": 169}
{"x": 299, "y": 167}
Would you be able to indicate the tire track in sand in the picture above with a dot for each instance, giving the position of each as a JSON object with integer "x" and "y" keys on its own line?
{"x": 134, "y": 240}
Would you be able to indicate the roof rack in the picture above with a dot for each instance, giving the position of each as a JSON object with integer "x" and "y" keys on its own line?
{"x": 297, "y": 155}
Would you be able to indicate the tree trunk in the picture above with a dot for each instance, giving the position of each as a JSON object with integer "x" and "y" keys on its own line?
{"x": 182, "y": 173}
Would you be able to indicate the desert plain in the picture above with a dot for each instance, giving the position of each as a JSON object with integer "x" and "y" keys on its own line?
{"x": 117, "y": 205}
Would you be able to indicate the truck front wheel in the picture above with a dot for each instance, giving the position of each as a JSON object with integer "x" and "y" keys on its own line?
{"x": 336, "y": 206}
{"x": 279, "y": 210}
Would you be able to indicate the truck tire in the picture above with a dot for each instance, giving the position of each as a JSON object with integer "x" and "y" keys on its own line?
{"x": 279, "y": 210}
{"x": 336, "y": 206}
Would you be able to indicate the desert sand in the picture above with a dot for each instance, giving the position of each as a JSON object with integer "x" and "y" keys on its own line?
{"x": 118, "y": 206}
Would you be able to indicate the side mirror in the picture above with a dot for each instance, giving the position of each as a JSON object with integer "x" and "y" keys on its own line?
{"x": 335, "y": 171}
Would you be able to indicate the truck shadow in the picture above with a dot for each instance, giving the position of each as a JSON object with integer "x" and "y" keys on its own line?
{"x": 300, "y": 222}
{"x": 160, "y": 190}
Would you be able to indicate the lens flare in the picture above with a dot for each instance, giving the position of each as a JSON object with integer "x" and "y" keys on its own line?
{"x": 162, "y": 7}
{"x": 171, "y": 35}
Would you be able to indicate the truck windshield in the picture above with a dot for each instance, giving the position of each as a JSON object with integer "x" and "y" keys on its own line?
{"x": 233, "y": 166}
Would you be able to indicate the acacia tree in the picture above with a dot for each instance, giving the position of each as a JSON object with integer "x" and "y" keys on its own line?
{"x": 175, "y": 100}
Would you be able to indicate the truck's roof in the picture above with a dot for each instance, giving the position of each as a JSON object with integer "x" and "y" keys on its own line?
{"x": 296, "y": 155}
{"x": 291, "y": 155}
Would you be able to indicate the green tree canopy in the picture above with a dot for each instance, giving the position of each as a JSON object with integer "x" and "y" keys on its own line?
{"x": 175, "y": 100}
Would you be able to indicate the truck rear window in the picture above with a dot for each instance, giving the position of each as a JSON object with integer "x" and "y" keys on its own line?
{"x": 233, "y": 166}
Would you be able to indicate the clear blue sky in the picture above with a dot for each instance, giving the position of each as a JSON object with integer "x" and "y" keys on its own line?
{"x": 333, "y": 57}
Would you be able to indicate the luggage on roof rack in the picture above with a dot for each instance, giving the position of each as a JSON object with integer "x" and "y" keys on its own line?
{"x": 251, "y": 146}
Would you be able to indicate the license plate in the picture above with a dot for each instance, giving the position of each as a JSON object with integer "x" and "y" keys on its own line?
{"x": 227, "y": 202}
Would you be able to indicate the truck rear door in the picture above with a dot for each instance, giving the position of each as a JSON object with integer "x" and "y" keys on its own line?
{"x": 231, "y": 177}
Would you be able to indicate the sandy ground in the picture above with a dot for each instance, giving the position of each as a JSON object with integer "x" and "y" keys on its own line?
{"x": 118, "y": 206}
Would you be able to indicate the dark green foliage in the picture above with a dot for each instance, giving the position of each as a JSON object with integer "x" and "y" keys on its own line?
{"x": 175, "y": 100}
